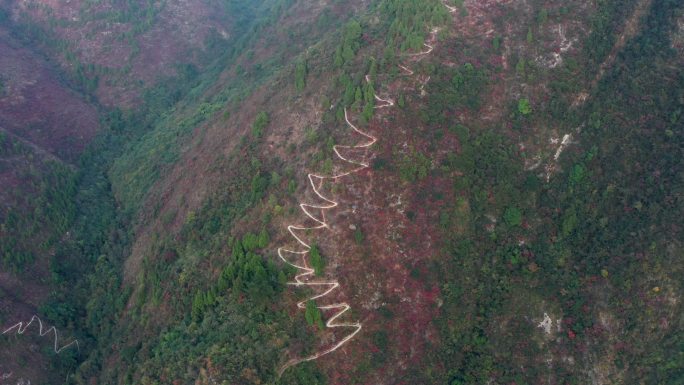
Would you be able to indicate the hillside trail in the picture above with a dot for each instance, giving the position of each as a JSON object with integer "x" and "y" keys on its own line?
{"x": 304, "y": 278}
{"x": 629, "y": 30}
{"x": 21, "y": 328}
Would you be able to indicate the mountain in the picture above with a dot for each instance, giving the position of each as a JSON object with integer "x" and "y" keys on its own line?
{"x": 326, "y": 192}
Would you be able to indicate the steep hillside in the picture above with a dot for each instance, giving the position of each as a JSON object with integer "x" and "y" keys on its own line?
{"x": 56, "y": 205}
{"x": 116, "y": 50}
{"x": 361, "y": 192}
{"x": 44, "y": 128}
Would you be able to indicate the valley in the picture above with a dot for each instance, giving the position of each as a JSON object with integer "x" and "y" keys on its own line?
{"x": 491, "y": 192}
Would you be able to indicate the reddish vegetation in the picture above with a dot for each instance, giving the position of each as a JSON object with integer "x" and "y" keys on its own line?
{"x": 386, "y": 272}
{"x": 25, "y": 303}
{"x": 38, "y": 107}
{"x": 176, "y": 33}
{"x": 48, "y": 122}
{"x": 52, "y": 122}
{"x": 23, "y": 298}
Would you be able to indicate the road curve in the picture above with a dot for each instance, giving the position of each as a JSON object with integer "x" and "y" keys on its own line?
{"x": 304, "y": 277}
{"x": 21, "y": 327}
{"x": 301, "y": 279}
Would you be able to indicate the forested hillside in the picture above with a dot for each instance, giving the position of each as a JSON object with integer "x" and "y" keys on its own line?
{"x": 360, "y": 192}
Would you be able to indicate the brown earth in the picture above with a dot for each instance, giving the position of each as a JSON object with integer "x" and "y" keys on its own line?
{"x": 38, "y": 107}
{"x": 385, "y": 275}
{"x": 129, "y": 54}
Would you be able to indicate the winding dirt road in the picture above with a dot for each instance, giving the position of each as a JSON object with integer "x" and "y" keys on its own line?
{"x": 21, "y": 328}
{"x": 304, "y": 278}
{"x": 408, "y": 71}
{"x": 307, "y": 271}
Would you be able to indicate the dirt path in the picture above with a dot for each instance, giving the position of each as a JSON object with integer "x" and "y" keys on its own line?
{"x": 21, "y": 328}
{"x": 301, "y": 279}
{"x": 629, "y": 31}
{"x": 305, "y": 277}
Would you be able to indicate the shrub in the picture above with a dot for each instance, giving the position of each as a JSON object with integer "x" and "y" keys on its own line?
{"x": 260, "y": 122}
{"x": 513, "y": 216}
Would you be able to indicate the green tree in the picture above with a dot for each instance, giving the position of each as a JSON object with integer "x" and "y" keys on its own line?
{"x": 327, "y": 166}
{"x": 300, "y": 75}
{"x": 338, "y": 60}
{"x": 263, "y": 239}
{"x": 520, "y": 67}
{"x": 569, "y": 222}
{"x": 512, "y": 216}
{"x": 496, "y": 43}
{"x": 530, "y": 36}
{"x": 260, "y": 122}
{"x": 313, "y": 315}
{"x": 367, "y": 113}
{"x": 358, "y": 236}
{"x": 197, "y": 306}
{"x": 414, "y": 166}
{"x": 350, "y": 43}
{"x": 358, "y": 96}
{"x": 577, "y": 174}
{"x": 543, "y": 16}
{"x": 524, "y": 107}
{"x": 316, "y": 259}
{"x": 373, "y": 70}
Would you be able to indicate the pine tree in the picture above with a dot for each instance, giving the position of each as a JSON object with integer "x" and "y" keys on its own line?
{"x": 210, "y": 298}
{"x": 347, "y": 53}
{"x": 238, "y": 251}
{"x": 373, "y": 71}
{"x": 309, "y": 314}
{"x": 316, "y": 260}
{"x": 260, "y": 122}
{"x": 313, "y": 315}
{"x": 263, "y": 239}
{"x": 530, "y": 36}
{"x": 358, "y": 96}
{"x": 282, "y": 279}
{"x": 197, "y": 306}
{"x": 338, "y": 57}
{"x": 349, "y": 94}
{"x": 318, "y": 319}
{"x": 300, "y": 76}
{"x": 369, "y": 93}
{"x": 520, "y": 67}
{"x": 358, "y": 236}
{"x": 367, "y": 113}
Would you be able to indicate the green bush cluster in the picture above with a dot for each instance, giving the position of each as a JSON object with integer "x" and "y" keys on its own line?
{"x": 411, "y": 20}
{"x": 248, "y": 273}
{"x": 351, "y": 42}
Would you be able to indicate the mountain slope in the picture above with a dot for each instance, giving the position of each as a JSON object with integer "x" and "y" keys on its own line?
{"x": 491, "y": 193}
